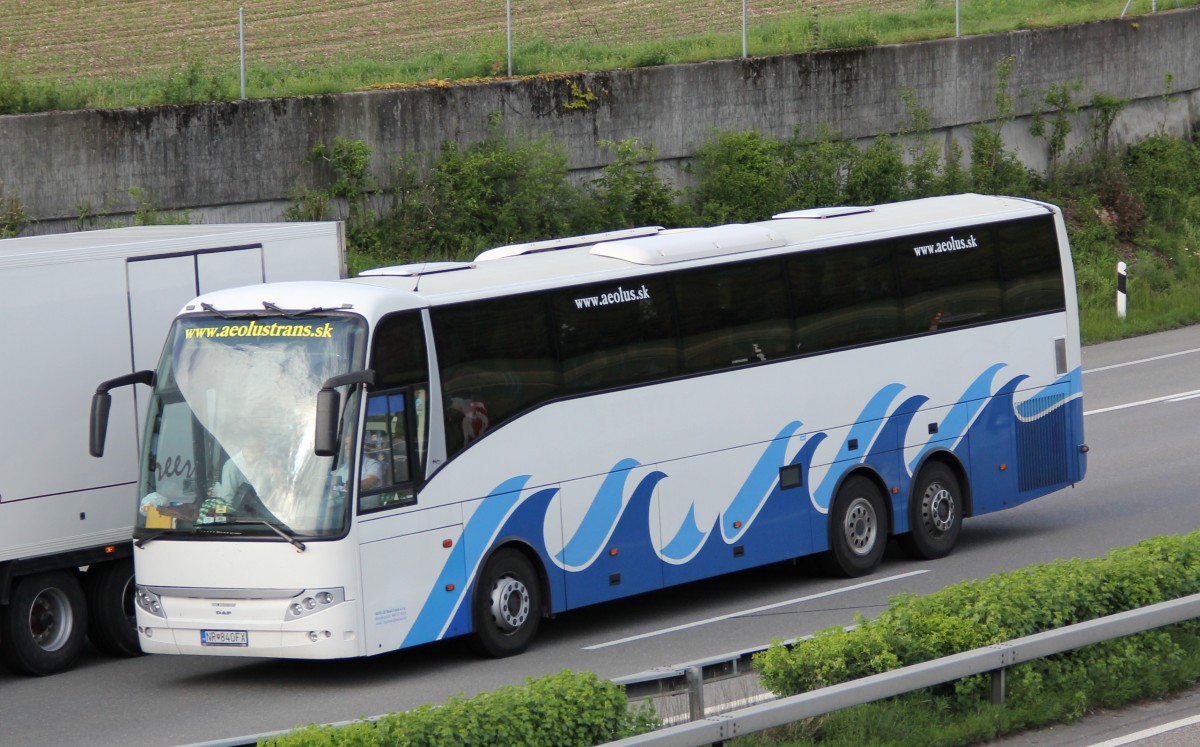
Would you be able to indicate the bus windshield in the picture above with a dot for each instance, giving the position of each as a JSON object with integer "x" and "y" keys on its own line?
{"x": 230, "y": 437}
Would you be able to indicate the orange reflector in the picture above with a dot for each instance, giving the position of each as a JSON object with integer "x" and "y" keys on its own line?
{"x": 109, "y": 549}
{"x": 737, "y": 525}
{"x": 447, "y": 543}
{"x": 1003, "y": 467}
{"x": 896, "y": 490}
{"x": 613, "y": 551}
{"x": 449, "y": 587}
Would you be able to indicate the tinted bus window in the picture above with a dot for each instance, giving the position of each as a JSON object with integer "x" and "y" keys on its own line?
{"x": 843, "y": 297}
{"x": 732, "y": 315}
{"x": 495, "y": 361}
{"x": 615, "y": 334}
{"x": 948, "y": 279}
{"x": 399, "y": 351}
{"x": 1030, "y": 267}
{"x": 400, "y": 359}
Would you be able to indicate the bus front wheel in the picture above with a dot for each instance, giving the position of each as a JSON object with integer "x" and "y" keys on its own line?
{"x": 507, "y": 605}
{"x": 935, "y": 514}
{"x": 857, "y": 529}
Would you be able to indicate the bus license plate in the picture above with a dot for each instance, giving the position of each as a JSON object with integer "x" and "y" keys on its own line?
{"x": 224, "y": 638}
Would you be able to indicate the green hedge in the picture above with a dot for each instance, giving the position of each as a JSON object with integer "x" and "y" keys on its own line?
{"x": 558, "y": 710}
{"x": 973, "y": 614}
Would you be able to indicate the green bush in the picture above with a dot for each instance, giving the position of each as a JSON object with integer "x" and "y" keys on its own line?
{"x": 558, "y": 710}
{"x": 1142, "y": 206}
{"x": 979, "y": 613}
{"x": 629, "y": 192}
{"x": 741, "y": 176}
{"x": 13, "y": 217}
{"x": 500, "y": 190}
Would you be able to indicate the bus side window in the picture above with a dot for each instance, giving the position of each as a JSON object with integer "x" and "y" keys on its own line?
{"x": 949, "y": 280}
{"x": 733, "y": 315}
{"x": 385, "y": 476}
{"x": 400, "y": 360}
{"x": 496, "y": 361}
{"x": 1029, "y": 267}
{"x": 613, "y": 335}
{"x": 844, "y": 297}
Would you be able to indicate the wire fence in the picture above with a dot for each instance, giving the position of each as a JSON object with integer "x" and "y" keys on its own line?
{"x": 68, "y": 40}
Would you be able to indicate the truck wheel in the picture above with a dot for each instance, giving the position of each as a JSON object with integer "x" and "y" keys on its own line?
{"x": 112, "y": 624}
{"x": 508, "y": 605}
{"x": 857, "y": 529}
{"x": 44, "y": 625}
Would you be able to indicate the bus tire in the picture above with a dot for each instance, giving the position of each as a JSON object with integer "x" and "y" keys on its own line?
{"x": 935, "y": 514}
{"x": 44, "y": 625}
{"x": 112, "y": 623}
{"x": 857, "y": 529}
{"x": 507, "y": 605}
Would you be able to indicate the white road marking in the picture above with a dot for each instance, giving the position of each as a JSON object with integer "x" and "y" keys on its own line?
{"x": 1168, "y": 398}
{"x": 1147, "y": 733}
{"x": 1143, "y": 360}
{"x": 764, "y": 608}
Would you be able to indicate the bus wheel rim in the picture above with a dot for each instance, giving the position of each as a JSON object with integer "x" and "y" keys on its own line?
{"x": 509, "y": 604}
{"x": 939, "y": 508}
{"x": 860, "y": 526}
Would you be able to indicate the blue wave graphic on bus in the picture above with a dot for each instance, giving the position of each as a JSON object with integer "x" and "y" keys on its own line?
{"x": 867, "y": 426}
{"x": 689, "y": 537}
{"x": 962, "y": 414}
{"x": 754, "y": 492}
{"x": 1036, "y": 406}
{"x": 478, "y": 534}
{"x": 613, "y": 552}
{"x": 599, "y": 521}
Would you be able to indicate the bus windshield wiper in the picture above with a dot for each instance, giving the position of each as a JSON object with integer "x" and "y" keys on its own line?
{"x": 144, "y": 540}
{"x": 213, "y": 309}
{"x": 291, "y": 314}
{"x": 279, "y": 529}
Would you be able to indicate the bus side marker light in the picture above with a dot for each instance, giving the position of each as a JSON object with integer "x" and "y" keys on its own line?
{"x": 447, "y": 543}
{"x": 449, "y": 587}
{"x": 613, "y": 551}
{"x": 737, "y": 525}
{"x": 896, "y": 490}
{"x": 1003, "y": 467}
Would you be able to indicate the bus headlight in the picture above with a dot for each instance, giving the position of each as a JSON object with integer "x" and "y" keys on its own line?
{"x": 149, "y": 602}
{"x": 311, "y": 601}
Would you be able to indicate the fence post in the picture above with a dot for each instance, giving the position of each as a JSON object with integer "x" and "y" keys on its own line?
{"x": 1121, "y": 297}
{"x": 695, "y": 688}
{"x": 997, "y": 689}
{"x": 242, "y": 49}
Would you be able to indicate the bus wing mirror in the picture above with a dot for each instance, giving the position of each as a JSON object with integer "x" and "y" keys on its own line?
{"x": 329, "y": 403}
{"x": 329, "y": 406}
{"x": 102, "y": 401}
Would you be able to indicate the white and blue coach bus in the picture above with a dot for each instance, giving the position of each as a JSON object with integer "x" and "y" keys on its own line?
{"x": 338, "y": 469}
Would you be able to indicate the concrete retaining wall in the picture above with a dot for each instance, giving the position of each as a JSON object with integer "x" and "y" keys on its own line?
{"x": 239, "y": 161}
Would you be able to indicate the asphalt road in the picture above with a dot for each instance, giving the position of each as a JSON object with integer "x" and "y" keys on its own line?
{"x": 1142, "y": 399}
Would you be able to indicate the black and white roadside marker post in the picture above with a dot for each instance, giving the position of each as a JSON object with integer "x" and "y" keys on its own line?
{"x": 1121, "y": 298}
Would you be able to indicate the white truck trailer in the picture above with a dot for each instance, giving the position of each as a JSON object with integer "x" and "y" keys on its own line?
{"x": 76, "y": 309}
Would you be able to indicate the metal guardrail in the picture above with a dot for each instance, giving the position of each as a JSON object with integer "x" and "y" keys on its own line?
{"x": 993, "y": 659}
{"x": 690, "y": 678}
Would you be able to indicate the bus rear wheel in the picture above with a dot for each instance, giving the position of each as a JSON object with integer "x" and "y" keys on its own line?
{"x": 508, "y": 605}
{"x": 935, "y": 514}
{"x": 44, "y": 624}
{"x": 857, "y": 529}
